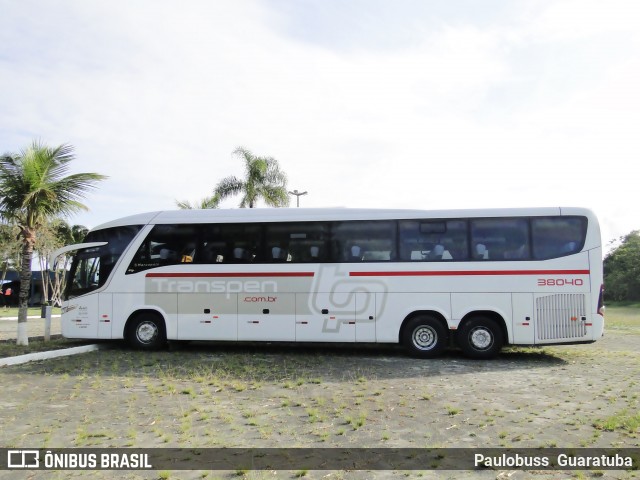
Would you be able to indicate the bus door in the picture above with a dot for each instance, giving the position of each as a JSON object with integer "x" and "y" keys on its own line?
{"x": 326, "y": 317}
{"x": 105, "y": 315}
{"x": 80, "y": 317}
{"x": 523, "y": 326}
{"x": 207, "y": 316}
{"x": 268, "y": 316}
{"x": 366, "y": 316}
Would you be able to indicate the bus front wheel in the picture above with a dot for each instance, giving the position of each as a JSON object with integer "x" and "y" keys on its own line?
{"x": 147, "y": 332}
{"x": 425, "y": 336}
{"x": 481, "y": 338}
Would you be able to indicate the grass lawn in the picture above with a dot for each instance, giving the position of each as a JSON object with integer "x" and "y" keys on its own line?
{"x": 33, "y": 312}
{"x": 10, "y": 349}
{"x": 623, "y": 318}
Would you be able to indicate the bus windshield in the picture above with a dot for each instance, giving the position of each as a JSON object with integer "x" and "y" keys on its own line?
{"x": 91, "y": 267}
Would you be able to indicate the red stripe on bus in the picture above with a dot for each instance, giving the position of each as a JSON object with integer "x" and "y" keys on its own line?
{"x": 451, "y": 273}
{"x": 232, "y": 275}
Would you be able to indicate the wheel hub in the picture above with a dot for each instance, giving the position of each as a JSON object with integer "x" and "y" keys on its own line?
{"x": 146, "y": 332}
{"x": 481, "y": 338}
{"x": 425, "y": 338}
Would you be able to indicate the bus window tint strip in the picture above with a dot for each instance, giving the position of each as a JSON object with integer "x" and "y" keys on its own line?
{"x": 427, "y": 240}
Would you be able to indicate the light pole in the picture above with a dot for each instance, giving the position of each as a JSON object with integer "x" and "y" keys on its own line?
{"x": 298, "y": 195}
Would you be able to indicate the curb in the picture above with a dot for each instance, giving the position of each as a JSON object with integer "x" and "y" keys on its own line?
{"x": 53, "y": 336}
{"x": 30, "y": 357}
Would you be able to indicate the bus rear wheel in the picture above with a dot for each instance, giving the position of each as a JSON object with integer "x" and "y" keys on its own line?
{"x": 481, "y": 338}
{"x": 425, "y": 336}
{"x": 147, "y": 332}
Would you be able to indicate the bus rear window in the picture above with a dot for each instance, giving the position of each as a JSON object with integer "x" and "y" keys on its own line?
{"x": 557, "y": 236}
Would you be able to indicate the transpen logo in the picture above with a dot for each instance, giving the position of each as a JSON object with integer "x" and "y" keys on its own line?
{"x": 171, "y": 285}
{"x": 342, "y": 290}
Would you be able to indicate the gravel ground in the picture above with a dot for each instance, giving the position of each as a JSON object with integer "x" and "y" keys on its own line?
{"x": 213, "y": 395}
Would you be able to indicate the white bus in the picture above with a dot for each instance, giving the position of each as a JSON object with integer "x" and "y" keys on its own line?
{"x": 429, "y": 280}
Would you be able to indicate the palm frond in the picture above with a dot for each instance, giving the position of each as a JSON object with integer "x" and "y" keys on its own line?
{"x": 275, "y": 196}
{"x": 35, "y": 185}
{"x": 205, "y": 203}
{"x": 229, "y": 186}
{"x": 264, "y": 180}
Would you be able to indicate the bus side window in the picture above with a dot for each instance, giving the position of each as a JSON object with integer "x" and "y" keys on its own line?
{"x": 481, "y": 252}
{"x": 433, "y": 240}
{"x": 230, "y": 243}
{"x": 212, "y": 252}
{"x": 314, "y": 253}
{"x": 355, "y": 254}
{"x": 279, "y": 255}
{"x": 296, "y": 242}
{"x": 167, "y": 257}
{"x": 165, "y": 245}
{"x": 500, "y": 238}
{"x": 364, "y": 241}
{"x": 241, "y": 255}
{"x": 557, "y": 236}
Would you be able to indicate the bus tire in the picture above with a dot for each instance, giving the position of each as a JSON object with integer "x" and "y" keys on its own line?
{"x": 425, "y": 336}
{"x": 147, "y": 332}
{"x": 480, "y": 337}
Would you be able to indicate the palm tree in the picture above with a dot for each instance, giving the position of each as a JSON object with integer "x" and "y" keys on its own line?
{"x": 207, "y": 202}
{"x": 34, "y": 188}
{"x": 263, "y": 180}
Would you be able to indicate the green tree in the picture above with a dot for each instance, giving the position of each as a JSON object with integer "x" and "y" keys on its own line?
{"x": 69, "y": 234}
{"x": 53, "y": 235}
{"x": 207, "y": 202}
{"x": 263, "y": 181}
{"x": 622, "y": 269}
{"x": 46, "y": 242}
{"x": 34, "y": 188}
{"x": 9, "y": 249}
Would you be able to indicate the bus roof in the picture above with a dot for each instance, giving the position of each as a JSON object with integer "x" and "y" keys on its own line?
{"x": 264, "y": 215}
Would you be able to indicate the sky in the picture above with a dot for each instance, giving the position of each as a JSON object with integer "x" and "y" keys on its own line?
{"x": 426, "y": 104}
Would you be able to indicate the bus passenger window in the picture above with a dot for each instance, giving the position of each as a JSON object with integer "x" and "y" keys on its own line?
{"x": 211, "y": 252}
{"x": 230, "y": 243}
{"x": 355, "y": 254}
{"x": 314, "y": 253}
{"x": 516, "y": 246}
{"x": 557, "y": 236}
{"x": 501, "y": 238}
{"x": 364, "y": 241}
{"x": 279, "y": 255}
{"x": 165, "y": 245}
{"x": 481, "y": 252}
{"x": 167, "y": 257}
{"x": 240, "y": 255}
{"x": 433, "y": 240}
